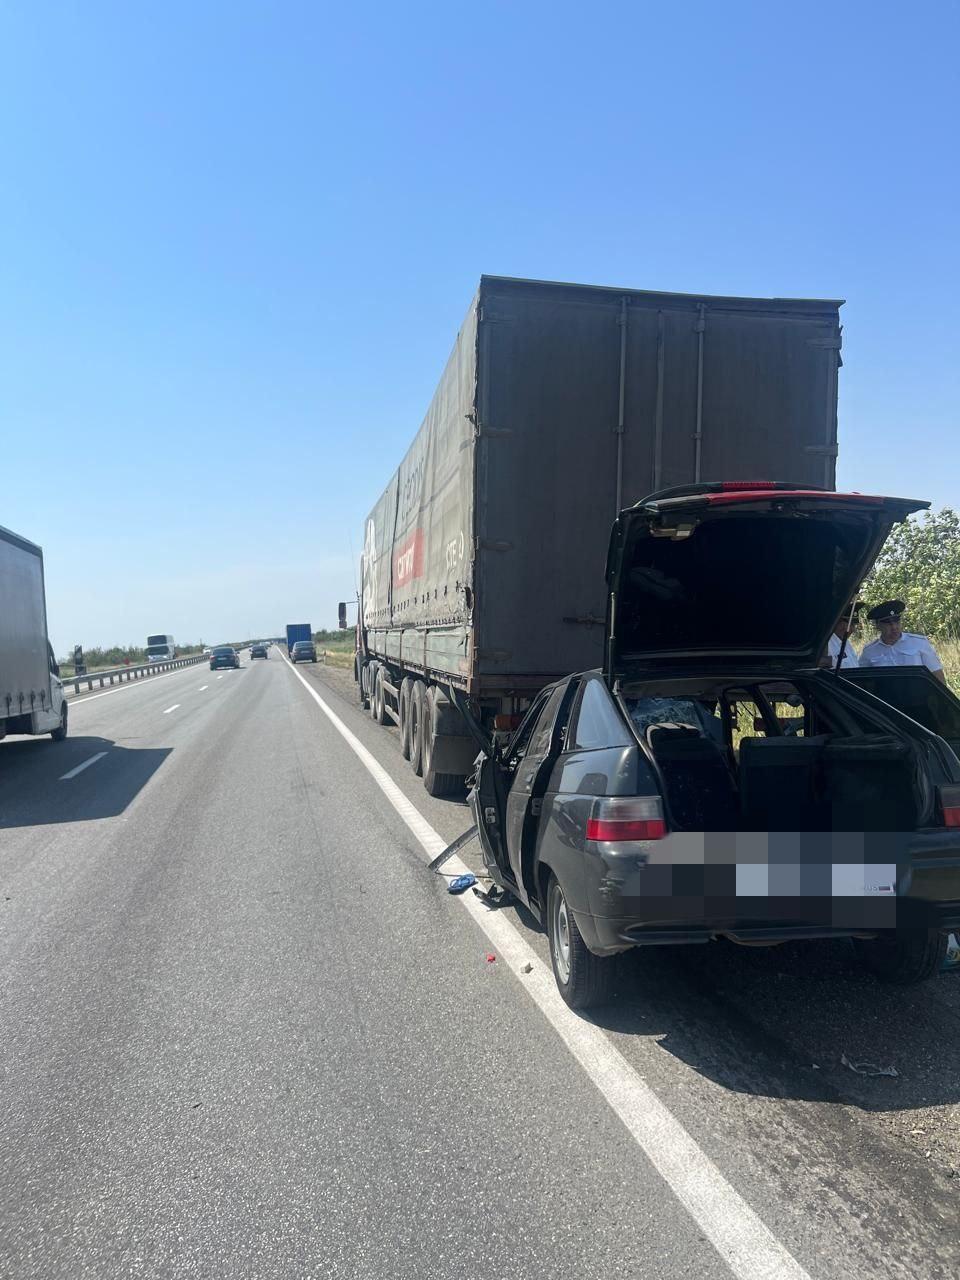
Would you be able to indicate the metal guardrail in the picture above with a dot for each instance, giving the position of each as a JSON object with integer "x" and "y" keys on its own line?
{"x": 119, "y": 674}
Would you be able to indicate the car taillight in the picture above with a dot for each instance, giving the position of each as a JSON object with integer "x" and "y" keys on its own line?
{"x": 950, "y": 805}
{"x": 619, "y": 818}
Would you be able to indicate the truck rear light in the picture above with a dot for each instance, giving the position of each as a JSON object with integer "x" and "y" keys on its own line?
{"x": 619, "y": 818}
{"x": 950, "y": 805}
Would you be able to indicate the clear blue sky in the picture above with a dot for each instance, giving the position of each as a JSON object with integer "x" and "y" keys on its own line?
{"x": 237, "y": 240}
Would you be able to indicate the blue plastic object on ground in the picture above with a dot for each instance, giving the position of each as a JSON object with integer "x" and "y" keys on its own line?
{"x": 460, "y": 884}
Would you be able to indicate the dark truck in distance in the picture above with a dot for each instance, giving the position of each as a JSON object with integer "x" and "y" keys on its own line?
{"x": 482, "y": 564}
{"x": 711, "y": 780}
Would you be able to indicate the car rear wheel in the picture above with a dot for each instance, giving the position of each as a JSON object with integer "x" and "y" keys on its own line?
{"x": 904, "y": 958}
{"x": 583, "y": 979}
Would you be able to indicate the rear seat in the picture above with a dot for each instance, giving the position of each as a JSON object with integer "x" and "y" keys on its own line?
{"x": 701, "y": 792}
{"x": 869, "y": 784}
{"x": 781, "y": 787}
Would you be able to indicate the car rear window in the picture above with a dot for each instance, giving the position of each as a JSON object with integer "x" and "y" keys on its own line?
{"x": 223, "y": 649}
{"x": 644, "y": 712}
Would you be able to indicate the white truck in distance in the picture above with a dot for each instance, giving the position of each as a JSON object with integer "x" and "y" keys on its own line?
{"x": 31, "y": 695}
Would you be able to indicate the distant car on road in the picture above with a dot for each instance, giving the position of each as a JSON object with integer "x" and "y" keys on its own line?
{"x": 224, "y": 655}
{"x": 258, "y": 651}
{"x": 303, "y": 651}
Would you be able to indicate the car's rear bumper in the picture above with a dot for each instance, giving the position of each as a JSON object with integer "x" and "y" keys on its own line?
{"x": 906, "y": 881}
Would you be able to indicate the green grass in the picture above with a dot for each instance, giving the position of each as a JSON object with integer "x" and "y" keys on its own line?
{"x": 949, "y": 651}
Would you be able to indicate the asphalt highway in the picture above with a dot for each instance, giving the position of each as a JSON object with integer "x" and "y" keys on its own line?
{"x": 245, "y": 1032}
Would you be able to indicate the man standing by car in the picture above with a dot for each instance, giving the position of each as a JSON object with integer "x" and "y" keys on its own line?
{"x": 843, "y": 628}
{"x": 895, "y": 647}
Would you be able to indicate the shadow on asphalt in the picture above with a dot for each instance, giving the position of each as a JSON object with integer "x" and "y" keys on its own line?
{"x": 778, "y": 1021}
{"x": 32, "y": 792}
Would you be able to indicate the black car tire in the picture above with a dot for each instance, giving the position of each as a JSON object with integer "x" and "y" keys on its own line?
{"x": 583, "y": 979}
{"x": 60, "y": 732}
{"x": 405, "y": 687}
{"x": 909, "y": 957}
{"x": 417, "y": 699}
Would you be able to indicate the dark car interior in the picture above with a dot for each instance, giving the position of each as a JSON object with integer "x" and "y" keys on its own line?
{"x": 770, "y": 758}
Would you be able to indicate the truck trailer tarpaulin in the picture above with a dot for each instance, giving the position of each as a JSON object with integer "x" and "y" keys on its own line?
{"x": 561, "y": 404}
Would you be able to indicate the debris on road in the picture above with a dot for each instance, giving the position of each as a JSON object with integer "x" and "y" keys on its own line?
{"x": 490, "y": 957}
{"x": 460, "y": 884}
{"x": 952, "y": 959}
{"x": 451, "y": 849}
{"x": 527, "y": 968}
{"x": 868, "y": 1068}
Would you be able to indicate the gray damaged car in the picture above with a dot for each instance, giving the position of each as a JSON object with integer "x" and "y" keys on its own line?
{"x": 712, "y": 781}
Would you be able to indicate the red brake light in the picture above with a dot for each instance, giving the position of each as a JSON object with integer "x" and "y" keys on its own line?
{"x": 619, "y": 818}
{"x": 745, "y": 492}
{"x": 950, "y": 805}
{"x": 730, "y": 486}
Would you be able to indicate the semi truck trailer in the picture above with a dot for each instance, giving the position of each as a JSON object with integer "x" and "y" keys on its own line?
{"x": 482, "y": 570}
{"x": 31, "y": 694}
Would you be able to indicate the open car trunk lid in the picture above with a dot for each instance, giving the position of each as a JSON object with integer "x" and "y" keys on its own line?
{"x": 735, "y": 575}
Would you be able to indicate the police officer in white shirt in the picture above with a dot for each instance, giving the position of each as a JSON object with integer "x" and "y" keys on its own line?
{"x": 843, "y": 628}
{"x": 895, "y": 647}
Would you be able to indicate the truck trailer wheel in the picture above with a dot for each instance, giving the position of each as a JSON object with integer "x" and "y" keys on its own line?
{"x": 417, "y": 700}
{"x": 405, "y": 687}
{"x": 59, "y": 734}
{"x": 379, "y": 705}
{"x": 370, "y": 672}
{"x": 905, "y": 958}
{"x": 583, "y": 979}
{"x": 358, "y": 674}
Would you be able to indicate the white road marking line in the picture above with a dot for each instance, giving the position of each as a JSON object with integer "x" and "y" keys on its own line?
{"x": 122, "y": 688}
{"x": 80, "y": 767}
{"x": 202, "y": 687}
{"x": 746, "y": 1244}
{"x": 220, "y": 676}
{"x": 173, "y": 708}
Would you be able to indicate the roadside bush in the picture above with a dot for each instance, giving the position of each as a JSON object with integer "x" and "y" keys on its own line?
{"x": 920, "y": 564}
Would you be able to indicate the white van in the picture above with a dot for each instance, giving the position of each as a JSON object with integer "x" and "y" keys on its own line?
{"x": 160, "y": 648}
{"x": 31, "y": 695}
